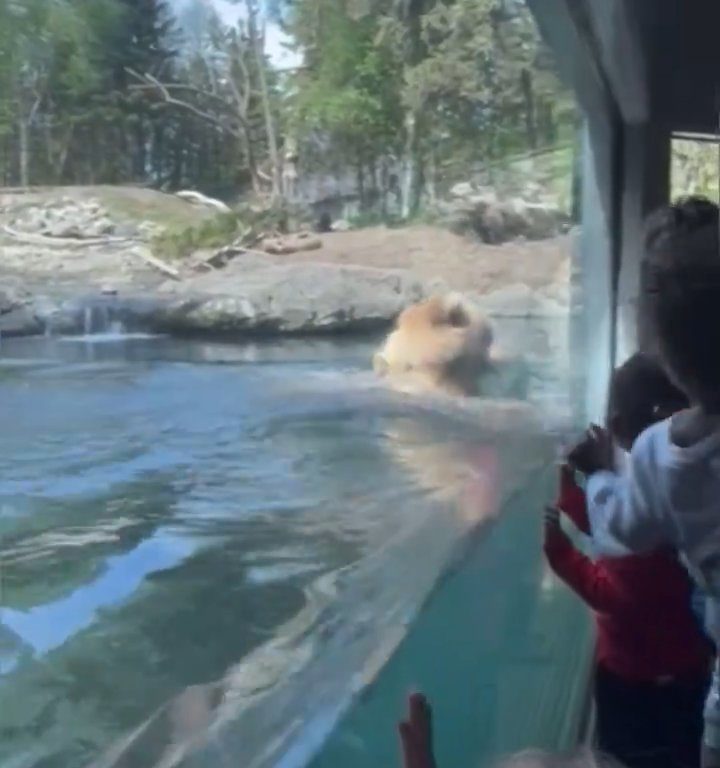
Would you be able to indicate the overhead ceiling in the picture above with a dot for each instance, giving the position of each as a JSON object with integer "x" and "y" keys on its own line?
{"x": 679, "y": 44}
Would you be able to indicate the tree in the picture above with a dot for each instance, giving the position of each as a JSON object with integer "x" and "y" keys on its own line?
{"x": 46, "y": 61}
{"x": 404, "y": 94}
{"x": 345, "y": 105}
{"x": 226, "y": 84}
{"x": 423, "y": 82}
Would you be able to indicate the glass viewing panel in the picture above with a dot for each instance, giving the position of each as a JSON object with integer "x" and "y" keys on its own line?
{"x": 230, "y": 533}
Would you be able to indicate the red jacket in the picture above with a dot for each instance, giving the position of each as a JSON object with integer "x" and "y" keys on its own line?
{"x": 646, "y": 630}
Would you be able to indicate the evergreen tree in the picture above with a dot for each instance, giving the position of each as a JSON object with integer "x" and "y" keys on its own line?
{"x": 110, "y": 91}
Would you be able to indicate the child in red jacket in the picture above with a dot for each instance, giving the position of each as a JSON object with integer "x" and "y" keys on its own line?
{"x": 652, "y": 660}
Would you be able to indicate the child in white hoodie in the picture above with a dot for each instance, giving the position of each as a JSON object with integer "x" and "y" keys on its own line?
{"x": 670, "y": 494}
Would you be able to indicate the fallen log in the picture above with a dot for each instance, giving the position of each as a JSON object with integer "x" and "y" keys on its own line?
{"x": 45, "y": 240}
{"x": 159, "y": 264}
{"x": 283, "y": 246}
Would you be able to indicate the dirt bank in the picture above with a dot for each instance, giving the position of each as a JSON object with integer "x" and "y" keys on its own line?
{"x": 434, "y": 253}
{"x": 320, "y": 289}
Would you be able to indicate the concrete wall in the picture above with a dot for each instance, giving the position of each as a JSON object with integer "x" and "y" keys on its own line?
{"x": 646, "y": 186}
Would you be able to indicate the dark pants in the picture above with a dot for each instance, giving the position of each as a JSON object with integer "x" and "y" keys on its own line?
{"x": 649, "y": 725}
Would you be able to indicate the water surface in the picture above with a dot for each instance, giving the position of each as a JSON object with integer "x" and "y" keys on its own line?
{"x": 177, "y": 514}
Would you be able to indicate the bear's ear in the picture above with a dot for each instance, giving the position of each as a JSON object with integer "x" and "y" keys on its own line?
{"x": 380, "y": 364}
{"x": 458, "y": 317}
{"x": 458, "y": 311}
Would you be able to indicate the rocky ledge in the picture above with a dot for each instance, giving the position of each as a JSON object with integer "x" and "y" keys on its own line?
{"x": 252, "y": 296}
{"x": 72, "y": 266}
{"x": 258, "y": 295}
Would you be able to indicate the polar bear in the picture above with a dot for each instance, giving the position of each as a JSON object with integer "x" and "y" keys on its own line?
{"x": 440, "y": 345}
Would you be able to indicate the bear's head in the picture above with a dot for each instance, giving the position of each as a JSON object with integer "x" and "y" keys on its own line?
{"x": 441, "y": 344}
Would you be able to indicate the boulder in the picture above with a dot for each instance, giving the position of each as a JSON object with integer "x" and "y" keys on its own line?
{"x": 462, "y": 189}
{"x": 253, "y": 295}
{"x": 12, "y": 297}
{"x": 66, "y": 218}
{"x": 520, "y": 301}
{"x": 99, "y": 227}
{"x": 479, "y": 211}
{"x": 17, "y": 317}
{"x": 20, "y": 322}
{"x": 64, "y": 228}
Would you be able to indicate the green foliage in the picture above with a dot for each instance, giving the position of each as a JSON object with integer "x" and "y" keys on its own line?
{"x": 694, "y": 169}
{"x": 211, "y": 233}
{"x": 349, "y": 92}
{"x": 424, "y": 85}
{"x": 401, "y": 96}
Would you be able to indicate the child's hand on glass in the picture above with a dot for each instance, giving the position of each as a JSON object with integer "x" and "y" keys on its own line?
{"x": 594, "y": 453}
{"x": 416, "y": 735}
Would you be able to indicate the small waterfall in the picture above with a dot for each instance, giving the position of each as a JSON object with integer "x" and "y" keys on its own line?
{"x": 98, "y": 322}
{"x": 87, "y": 321}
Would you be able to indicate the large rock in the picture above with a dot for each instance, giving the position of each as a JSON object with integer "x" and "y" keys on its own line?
{"x": 482, "y": 213}
{"x": 520, "y": 301}
{"x": 254, "y": 295}
{"x": 17, "y": 316}
{"x": 67, "y": 218}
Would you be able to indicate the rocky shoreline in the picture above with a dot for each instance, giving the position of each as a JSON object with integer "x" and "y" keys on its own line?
{"x": 76, "y": 269}
{"x": 261, "y": 299}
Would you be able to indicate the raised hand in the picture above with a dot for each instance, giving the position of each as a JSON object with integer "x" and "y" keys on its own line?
{"x": 416, "y": 735}
{"x": 593, "y": 453}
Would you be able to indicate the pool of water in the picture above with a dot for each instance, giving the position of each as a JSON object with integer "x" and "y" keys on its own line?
{"x": 198, "y": 537}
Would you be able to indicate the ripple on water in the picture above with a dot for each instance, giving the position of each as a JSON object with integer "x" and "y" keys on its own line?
{"x": 168, "y": 522}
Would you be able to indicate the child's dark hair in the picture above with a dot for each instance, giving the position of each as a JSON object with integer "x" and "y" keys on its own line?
{"x": 682, "y": 268}
{"x": 641, "y": 393}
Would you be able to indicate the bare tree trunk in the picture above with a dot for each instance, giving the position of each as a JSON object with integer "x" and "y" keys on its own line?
{"x": 24, "y": 152}
{"x": 58, "y": 151}
{"x": 158, "y": 152}
{"x": 411, "y": 184}
{"x": 258, "y": 45}
{"x": 140, "y": 153}
{"x": 176, "y": 178}
{"x": 360, "y": 183}
{"x": 431, "y": 182}
{"x": 372, "y": 171}
{"x": 249, "y": 151}
{"x": 526, "y": 84}
{"x": 64, "y": 152}
{"x": 384, "y": 183}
